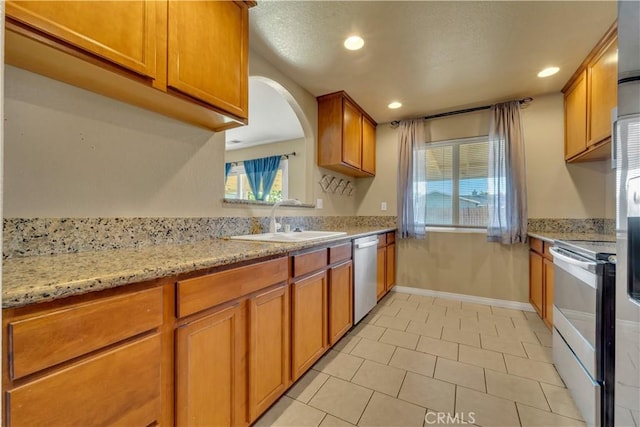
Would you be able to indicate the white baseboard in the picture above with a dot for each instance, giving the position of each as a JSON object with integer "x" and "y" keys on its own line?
{"x": 524, "y": 306}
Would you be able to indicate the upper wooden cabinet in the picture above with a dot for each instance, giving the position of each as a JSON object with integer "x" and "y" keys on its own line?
{"x": 208, "y": 52}
{"x": 368, "y": 146}
{"x": 575, "y": 112}
{"x": 603, "y": 92}
{"x": 346, "y": 136}
{"x": 184, "y": 59}
{"x": 121, "y": 32}
{"x": 589, "y": 97}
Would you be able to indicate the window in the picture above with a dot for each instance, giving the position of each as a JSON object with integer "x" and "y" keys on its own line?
{"x": 456, "y": 184}
{"x": 237, "y": 184}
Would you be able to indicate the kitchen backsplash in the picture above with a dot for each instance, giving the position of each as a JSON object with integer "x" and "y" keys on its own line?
{"x": 572, "y": 225}
{"x": 45, "y": 236}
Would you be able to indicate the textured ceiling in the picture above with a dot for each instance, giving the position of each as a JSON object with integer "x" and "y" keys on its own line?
{"x": 431, "y": 56}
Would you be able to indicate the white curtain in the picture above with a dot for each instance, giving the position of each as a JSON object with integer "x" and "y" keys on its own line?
{"x": 507, "y": 176}
{"x": 411, "y": 179}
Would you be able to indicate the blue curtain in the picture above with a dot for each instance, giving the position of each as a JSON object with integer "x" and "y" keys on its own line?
{"x": 254, "y": 175}
{"x": 261, "y": 171}
{"x": 271, "y": 165}
{"x": 227, "y": 169}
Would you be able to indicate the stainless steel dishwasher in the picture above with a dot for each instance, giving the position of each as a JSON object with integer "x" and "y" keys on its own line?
{"x": 365, "y": 259}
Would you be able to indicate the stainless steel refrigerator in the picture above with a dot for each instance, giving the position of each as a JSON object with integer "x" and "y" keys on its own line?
{"x": 627, "y": 148}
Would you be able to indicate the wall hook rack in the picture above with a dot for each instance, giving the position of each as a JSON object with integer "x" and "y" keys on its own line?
{"x": 334, "y": 185}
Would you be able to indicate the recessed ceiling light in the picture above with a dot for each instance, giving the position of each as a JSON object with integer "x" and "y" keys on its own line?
{"x": 394, "y": 105}
{"x": 354, "y": 43}
{"x": 548, "y": 72}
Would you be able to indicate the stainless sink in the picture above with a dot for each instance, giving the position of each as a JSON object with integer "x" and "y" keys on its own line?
{"x": 293, "y": 236}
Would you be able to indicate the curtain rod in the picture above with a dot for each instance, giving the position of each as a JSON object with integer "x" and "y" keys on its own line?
{"x": 466, "y": 110}
{"x": 286, "y": 156}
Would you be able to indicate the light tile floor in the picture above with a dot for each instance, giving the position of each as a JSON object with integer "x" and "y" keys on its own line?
{"x": 412, "y": 354}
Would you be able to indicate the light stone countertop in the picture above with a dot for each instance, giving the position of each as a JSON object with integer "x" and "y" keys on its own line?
{"x": 551, "y": 236}
{"x": 31, "y": 280}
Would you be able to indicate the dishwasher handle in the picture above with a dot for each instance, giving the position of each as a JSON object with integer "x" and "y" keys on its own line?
{"x": 582, "y": 264}
{"x": 367, "y": 244}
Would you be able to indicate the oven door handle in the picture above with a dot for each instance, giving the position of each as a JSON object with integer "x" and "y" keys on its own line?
{"x": 582, "y": 264}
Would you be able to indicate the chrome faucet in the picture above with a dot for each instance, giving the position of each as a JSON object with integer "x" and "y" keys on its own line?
{"x": 273, "y": 225}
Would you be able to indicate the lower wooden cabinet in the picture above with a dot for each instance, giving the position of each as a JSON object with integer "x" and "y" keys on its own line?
{"x": 210, "y": 372}
{"x": 215, "y": 349}
{"x": 381, "y": 272}
{"x": 340, "y": 301}
{"x": 120, "y": 386}
{"x": 391, "y": 267}
{"x": 386, "y": 267}
{"x": 269, "y": 367}
{"x": 541, "y": 279}
{"x": 547, "y": 269}
{"x": 536, "y": 282}
{"x": 89, "y": 360}
{"x": 309, "y": 322}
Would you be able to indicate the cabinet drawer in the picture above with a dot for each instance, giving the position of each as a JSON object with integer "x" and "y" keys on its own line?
{"x": 200, "y": 293}
{"x": 382, "y": 240}
{"x": 119, "y": 387}
{"x": 43, "y": 341}
{"x": 391, "y": 237}
{"x": 339, "y": 253}
{"x": 309, "y": 262}
{"x": 535, "y": 245}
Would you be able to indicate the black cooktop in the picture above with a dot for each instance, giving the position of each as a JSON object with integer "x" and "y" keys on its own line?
{"x": 591, "y": 249}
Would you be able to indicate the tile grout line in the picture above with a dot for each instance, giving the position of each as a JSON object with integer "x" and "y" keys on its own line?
{"x": 545, "y": 396}
{"x": 518, "y": 413}
{"x": 365, "y": 406}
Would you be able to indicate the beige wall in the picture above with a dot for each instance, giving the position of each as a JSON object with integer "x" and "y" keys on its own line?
{"x": 466, "y": 263}
{"x": 72, "y": 153}
{"x": 296, "y": 164}
{"x": 556, "y": 189}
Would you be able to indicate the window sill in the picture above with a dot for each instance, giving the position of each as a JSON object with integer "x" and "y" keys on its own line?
{"x": 456, "y": 230}
{"x": 266, "y": 204}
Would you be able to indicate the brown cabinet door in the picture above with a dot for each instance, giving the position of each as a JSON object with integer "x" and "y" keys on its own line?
{"x": 209, "y": 371}
{"x": 391, "y": 267}
{"x": 309, "y": 322}
{"x": 269, "y": 365}
{"x": 536, "y": 281}
{"x": 351, "y": 135}
{"x": 207, "y": 52}
{"x": 575, "y": 116}
{"x": 121, "y": 32}
{"x": 603, "y": 93}
{"x": 340, "y": 301}
{"x": 548, "y": 291}
{"x": 121, "y": 386}
{"x": 368, "y": 146}
{"x": 381, "y": 276}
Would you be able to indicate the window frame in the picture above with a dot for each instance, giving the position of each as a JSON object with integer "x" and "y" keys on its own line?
{"x": 455, "y": 181}
{"x": 238, "y": 170}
